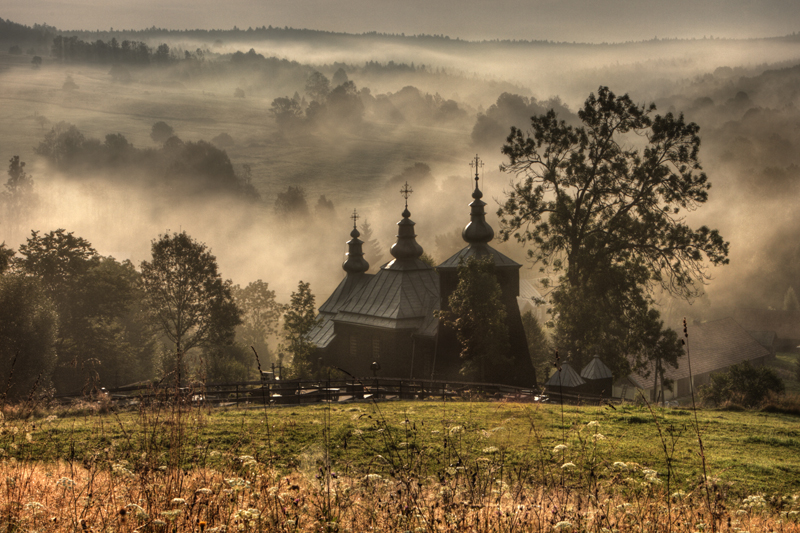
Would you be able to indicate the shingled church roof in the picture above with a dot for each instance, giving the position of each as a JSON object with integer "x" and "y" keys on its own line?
{"x": 356, "y": 267}
{"x": 404, "y": 294}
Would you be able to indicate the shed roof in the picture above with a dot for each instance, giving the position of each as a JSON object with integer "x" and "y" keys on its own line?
{"x": 566, "y": 378}
{"x": 596, "y": 369}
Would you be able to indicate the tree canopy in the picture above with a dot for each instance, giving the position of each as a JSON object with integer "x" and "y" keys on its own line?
{"x": 188, "y": 298}
{"x": 477, "y": 315}
{"x": 298, "y": 319}
{"x": 606, "y": 217}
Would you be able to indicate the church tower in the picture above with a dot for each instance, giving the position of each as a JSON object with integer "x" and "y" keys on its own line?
{"x": 477, "y": 234}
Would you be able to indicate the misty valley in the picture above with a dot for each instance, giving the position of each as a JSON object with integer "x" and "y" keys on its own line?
{"x": 260, "y": 143}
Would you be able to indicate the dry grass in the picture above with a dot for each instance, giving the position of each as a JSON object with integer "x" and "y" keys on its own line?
{"x": 250, "y": 496}
{"x": 571, "y": 487}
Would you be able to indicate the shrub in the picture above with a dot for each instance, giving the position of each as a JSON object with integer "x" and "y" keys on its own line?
{"x": 743, "y": 384}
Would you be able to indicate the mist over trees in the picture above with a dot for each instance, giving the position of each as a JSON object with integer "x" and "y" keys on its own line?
{"x": 605, "y": 220}
{"x": 327, "y": 127}
{"x": 178, "y": 169}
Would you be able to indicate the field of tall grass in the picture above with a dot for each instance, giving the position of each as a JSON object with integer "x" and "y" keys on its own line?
{"x": 396, "y": 466}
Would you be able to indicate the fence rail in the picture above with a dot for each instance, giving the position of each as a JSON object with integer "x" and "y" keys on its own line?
{"x": 277, "y": 392}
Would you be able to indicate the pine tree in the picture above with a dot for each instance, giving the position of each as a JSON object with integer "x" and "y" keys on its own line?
{"x": 372, "y": 248}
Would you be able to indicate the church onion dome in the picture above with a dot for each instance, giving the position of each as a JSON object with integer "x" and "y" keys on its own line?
{"x": 406, "y": 247}
{"x": 478, "y": 231}
{"x": 355, "y": 262}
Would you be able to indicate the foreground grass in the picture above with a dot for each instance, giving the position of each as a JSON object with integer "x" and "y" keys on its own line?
{"x": 398, "y": 466}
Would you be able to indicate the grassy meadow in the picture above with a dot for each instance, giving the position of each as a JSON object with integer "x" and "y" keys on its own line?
{"x": 398, "y": 466}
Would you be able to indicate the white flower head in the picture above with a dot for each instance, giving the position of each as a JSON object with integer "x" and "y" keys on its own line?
{"x": 568, "y": 466}
{"x": 560, "y": 448}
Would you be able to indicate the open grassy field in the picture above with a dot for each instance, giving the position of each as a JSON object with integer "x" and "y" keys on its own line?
{"x": 399, "y": 466}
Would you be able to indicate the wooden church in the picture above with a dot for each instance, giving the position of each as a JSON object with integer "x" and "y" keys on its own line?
{"x": 390, "y": 318}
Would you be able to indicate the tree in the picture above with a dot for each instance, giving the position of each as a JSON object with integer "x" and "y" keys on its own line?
{"x": 292, "y": 204}
{"x": 162, "y": 53}
{"x": 606, "y": 218}
{"x": 318, "y": 87}
{"x": 28, "y": 325}
{"x": 260, "y": 314}
{"x": 61, "y": 145}
{"x": 36, "y": 61}
{"x": 373, "y": 251}
{"x": 6, "y": 257}
{"x": 339, "y": 77}
{"x": 478, "y": 316}
{"x": 161, "y": 131}
{"x": 187, "y": 297}
{"x": 287, "y": 112}
{"x": 18, "y": 198}
{"x": 101, "y": 339}
{"x": 324, "y": 208}
{"x": 538, "y": 346}
{"x": 298, "y": 319}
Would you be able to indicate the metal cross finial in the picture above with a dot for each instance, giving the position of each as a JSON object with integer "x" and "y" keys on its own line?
{"x": 355, "y": 217}
{"x": 406, "y": 192}
{"x": 478, "y": 164}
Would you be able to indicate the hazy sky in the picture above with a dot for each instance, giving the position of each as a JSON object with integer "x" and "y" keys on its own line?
{"x": 560, "y": 20}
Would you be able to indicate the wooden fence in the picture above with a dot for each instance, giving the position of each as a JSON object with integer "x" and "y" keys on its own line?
{"x": 294, "y": 392}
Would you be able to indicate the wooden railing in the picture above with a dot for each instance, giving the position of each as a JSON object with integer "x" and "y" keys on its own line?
{"x": 277, "y": 392}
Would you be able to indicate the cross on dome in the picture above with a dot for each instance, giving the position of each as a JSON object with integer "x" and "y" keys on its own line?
{"x": 406, "y": 192}
{"x": 355, "y": 218}
{"x": 477, "y": 164}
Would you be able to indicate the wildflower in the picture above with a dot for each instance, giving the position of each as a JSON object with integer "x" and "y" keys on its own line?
{"x": 563, "y": 526}
{"x": 568, "y": 466}
{"x": 178, "y": 501}
{"x": 560, "y": 448}
{"x": 754, "y": 501}
{"x": 491, "y": 449}
{"x": 598, "y": 437}
{"x": 455, "y": 430}
{"x": 204, "y": 491}
{"x": 120, "y": 469}
{"x": 159, "y": 524}
{"x": 171, "y": 515}
{"x": 65, "y": 483}
{"x": 238, "y": 483}
{"x": 34, "y": 507}
{"x": 248, "y": 461}
{"x": 138, "y": 511}
{"x": 372, "y": 477}
{"x": 619, "y": 465}
{"x": 247, "y": 514}
{"x": 593, "y": 424}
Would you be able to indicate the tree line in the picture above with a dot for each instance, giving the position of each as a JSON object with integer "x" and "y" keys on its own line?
{"x": 72, "y": 320}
